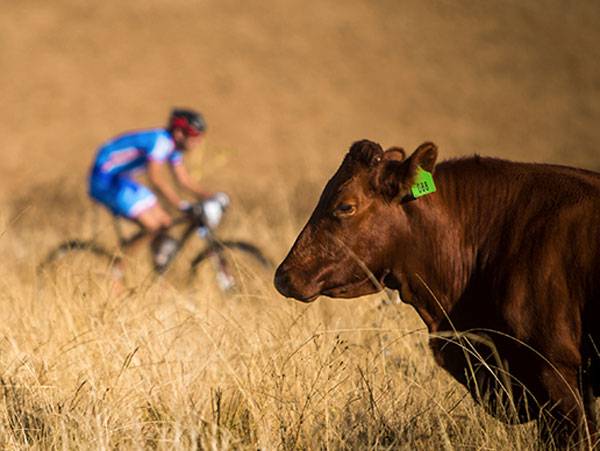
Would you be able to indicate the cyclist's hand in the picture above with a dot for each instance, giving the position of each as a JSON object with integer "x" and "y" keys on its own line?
{"x": 222, "y": 198}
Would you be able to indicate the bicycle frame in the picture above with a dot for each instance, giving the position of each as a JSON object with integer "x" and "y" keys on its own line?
{"x": 195, "y": 222}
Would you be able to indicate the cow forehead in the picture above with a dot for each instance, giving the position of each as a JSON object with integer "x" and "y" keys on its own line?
{"x": 351, "y": 177}
{"x": 358, "y": 163}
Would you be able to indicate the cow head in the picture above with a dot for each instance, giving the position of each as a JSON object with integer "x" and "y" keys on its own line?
{"x": 345, "y": 249}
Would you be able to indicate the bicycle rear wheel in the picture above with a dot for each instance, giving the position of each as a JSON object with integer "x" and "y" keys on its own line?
{"x": 234, "y": 267}
{"x": 79, "y": 266}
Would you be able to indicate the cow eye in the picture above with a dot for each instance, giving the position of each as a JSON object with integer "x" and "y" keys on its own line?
{"x": 345, "y": 209}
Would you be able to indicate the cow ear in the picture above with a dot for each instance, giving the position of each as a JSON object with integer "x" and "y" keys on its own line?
{"x": 425, "y": 157}
{"x": 395, "y": 153}
{"x": 397, "y": 174}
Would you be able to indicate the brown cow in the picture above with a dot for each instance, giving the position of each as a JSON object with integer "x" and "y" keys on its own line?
{"x": 502, "y": 263}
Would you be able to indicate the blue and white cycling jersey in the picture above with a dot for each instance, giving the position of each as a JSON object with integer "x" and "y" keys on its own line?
{"x": 117, "y": 160}
{"x": 128, "y": 153}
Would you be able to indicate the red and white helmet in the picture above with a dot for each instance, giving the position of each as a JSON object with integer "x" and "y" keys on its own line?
{"x": 189, "y": 121}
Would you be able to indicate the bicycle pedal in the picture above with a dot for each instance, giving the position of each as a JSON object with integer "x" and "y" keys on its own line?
{"x": 165, "y": 250}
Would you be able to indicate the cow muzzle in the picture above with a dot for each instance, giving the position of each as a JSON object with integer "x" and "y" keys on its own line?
{"x": 289, "y": 286}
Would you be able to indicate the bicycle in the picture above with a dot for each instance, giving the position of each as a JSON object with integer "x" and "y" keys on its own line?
{"x": 87, "y": 264}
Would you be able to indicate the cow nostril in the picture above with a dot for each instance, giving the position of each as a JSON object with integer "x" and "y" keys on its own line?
{"x": 281, "y": 281}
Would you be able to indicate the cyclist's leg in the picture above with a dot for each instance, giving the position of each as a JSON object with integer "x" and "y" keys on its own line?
{"x": 139, "y": 204}
{"x": 132, "y": 200}
{"x": 163, "y": 246}
{"x": 152, "y": 222}
{"x": 124, "y": 198}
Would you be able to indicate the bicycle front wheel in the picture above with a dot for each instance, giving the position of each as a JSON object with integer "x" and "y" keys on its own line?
{"x": 79, "y": 267}
{"x": 233, "y": 267}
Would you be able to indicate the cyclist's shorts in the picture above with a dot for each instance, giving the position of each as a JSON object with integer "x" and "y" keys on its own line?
{"x": 123, "y": 196}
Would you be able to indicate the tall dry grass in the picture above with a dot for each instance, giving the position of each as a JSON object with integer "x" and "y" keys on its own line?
{"x": 160, "y": 366}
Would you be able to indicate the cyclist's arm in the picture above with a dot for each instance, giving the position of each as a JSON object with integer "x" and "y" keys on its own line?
{"x": 157, "y": 178}
{"x": 186, "y": 181}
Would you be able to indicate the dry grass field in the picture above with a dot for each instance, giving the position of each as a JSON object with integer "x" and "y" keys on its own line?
{"x": 286, "y": 87}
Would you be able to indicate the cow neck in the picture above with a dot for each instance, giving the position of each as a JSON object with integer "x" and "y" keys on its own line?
{"x": 475, "y": 196}
{"x": 480, "y": 194}
{"x": 433, "y": 278}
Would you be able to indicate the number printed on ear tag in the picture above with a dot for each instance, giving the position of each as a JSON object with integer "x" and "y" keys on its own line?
{"x": 423, "y": 183}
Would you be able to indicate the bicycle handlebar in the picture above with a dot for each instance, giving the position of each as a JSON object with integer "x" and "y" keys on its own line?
{"x": 203, "y": 216}
{"x": 194, "y": 216}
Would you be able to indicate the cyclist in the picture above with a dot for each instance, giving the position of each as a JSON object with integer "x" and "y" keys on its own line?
{"x": 111, "y": 181}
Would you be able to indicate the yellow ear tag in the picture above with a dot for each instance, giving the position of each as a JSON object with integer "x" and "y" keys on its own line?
{"x": 423, "y": 183}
